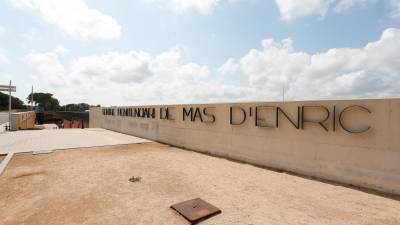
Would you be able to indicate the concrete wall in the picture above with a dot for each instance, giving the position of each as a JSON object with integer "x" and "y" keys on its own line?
{"x": 22, "y": 120}
{"x": 368, "y": 159}
{"x": 75, "y": 124}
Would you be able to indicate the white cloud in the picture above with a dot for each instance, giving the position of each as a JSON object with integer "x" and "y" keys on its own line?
{"x": 30, "y": 37}
{"x": 3, "y": 57}
{"x": 74, "y": 18}
{"x": 289, "y": 9}
{"x": 292, "y": 9}
{"x": 48, "y": 70}
{"x": 201, "y": 6}
{"x": 117, "y": 77}
{"x": 127, "y": 78}
{"x": 344, "y": 5}
{"x": 229, "y": 67}
{"x": 395, "y": 4}
{"x": 371, "y": 71}
{"x": 115, "y": 67}
{"x": 169, "y": 63}
{"x": 61, "y": 50}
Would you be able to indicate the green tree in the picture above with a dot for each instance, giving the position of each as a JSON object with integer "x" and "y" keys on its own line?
{"x": 46, "y": 99}
{"x": 75, "y": 107}
{"x": 16, "y": 103}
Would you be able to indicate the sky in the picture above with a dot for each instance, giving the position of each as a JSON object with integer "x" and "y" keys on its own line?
{"x": 125, "y": 52}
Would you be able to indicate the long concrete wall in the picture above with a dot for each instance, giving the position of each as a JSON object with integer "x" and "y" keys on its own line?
{"x": 349, "y": 141}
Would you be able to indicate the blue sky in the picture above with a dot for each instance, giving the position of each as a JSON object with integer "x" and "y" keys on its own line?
{"x": 174, "y": 51}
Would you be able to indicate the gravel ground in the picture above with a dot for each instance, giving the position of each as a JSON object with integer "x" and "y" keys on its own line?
{"x": 90, "y": 186}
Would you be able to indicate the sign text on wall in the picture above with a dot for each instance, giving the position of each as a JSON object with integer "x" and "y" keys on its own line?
{"x": 329, "y": 118}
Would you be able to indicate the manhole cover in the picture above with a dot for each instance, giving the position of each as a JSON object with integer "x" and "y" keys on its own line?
{"x": 196, "y": 210}
{"x": 135, "y": 179}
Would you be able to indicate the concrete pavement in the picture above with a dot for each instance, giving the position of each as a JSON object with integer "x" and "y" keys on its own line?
{"x": 47, "y": 140}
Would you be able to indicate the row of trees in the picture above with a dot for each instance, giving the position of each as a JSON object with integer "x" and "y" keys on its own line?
{"x": 16, "y": 103}
{"x": 47, "y": 100}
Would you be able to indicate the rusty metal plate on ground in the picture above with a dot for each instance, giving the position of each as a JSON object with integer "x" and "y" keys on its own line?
{"x": 196, "y": 210}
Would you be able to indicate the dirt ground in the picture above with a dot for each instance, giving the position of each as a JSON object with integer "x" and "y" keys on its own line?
{"x": 91, "y": 186}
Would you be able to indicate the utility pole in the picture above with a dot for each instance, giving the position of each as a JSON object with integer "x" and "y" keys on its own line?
{"x": 32, "y": 98}
{"x": 9, "y": 106}
{"x": 10, "y": 89}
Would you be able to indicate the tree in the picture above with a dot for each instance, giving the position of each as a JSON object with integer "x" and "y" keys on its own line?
{"x": 16, "y": 103}
{"x": 46, "y": 99}
{"x": 75, "y": 107}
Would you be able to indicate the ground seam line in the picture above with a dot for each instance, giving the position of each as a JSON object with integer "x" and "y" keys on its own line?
{"x": 5, "y": 162}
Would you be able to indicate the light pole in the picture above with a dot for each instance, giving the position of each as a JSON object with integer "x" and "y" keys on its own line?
{"x": 9, "y": 107}
{"x": 32, "y": 98}
{"x": 10, "y": 89}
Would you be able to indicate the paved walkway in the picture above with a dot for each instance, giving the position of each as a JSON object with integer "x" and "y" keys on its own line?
{"x": 47, "y": 140}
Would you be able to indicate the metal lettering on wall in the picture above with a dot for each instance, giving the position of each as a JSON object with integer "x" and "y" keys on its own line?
{"x": 331, "y": 117}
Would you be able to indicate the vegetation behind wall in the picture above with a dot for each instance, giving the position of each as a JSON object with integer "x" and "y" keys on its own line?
{"x": 16, "y": 103}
